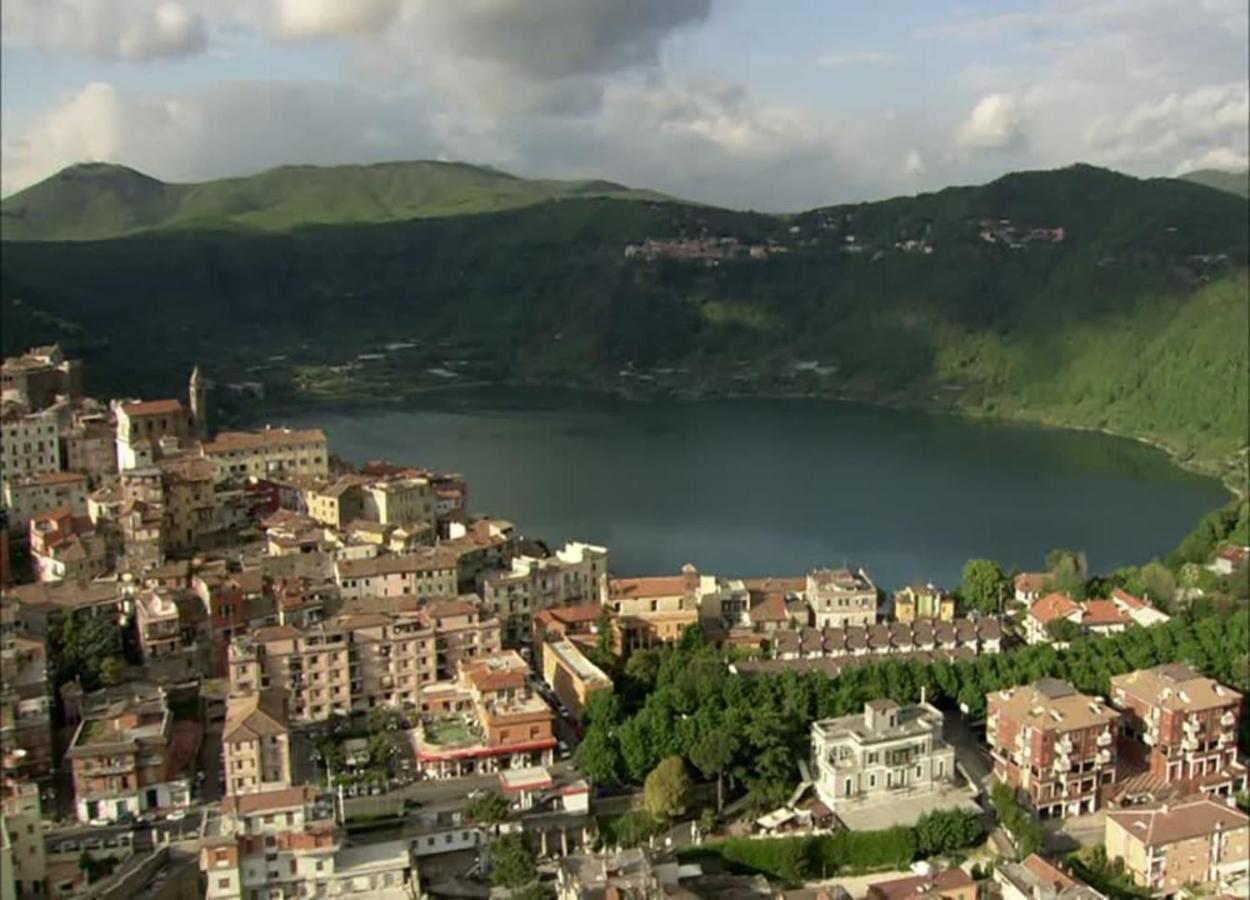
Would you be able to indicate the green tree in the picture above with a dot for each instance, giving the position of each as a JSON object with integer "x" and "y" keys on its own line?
{"x": 667, "y": 790}
{"x": 598, "y": 758}
{"x": 1063, "y": 630}
{"x": 945, "y": 831}
{"x": 1158, "y": 583}
{"x": 512, "y": 863}
{"x": 112, "y": 670}
{"x": 708, "y": 820}
{"x": 983, "y": 585}
{"x": 84, "y": 643}
{"x": 712, "y": 755}
{"x": 490, "y": 808}
{"x": 605, "y": 632}
{"x": 1068, "y": 570}
{"x": 634, "y": 827}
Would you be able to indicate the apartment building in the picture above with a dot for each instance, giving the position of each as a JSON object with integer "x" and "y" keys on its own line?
{"x": 29, "y": 444}
{"x": 1188, "y": 722}
{"x": 841, "y": 597}
{"x": 1199, "y": 845}
{"x": 923, "y": 601}
{"x": 25, "y": 870}
{"x": 127, "y": 756}
{"x": 949, "y": 884}
{"x": 889, "y": 755}
{"x": 284, "y": 843}
{"x": 337, "y": 502}
{"x": 158, "y": 623}
{"x": 574, "y": 574}
{"x": 256, "y": 743}
{"x": 400, "y": 500}
{"x": 463, "y": 631}
{"x": 424, "y": 573}
{"x": 1047, "y": 610}
{"x": 483, "y": 546}
{"x": 146, "y": 429}
{"x": 655, "y": 610}
{"x": 189, "y": 501}
{"x": 268, "y": 453}
{"x": 38, "y": 494}
{"x": 25, "y": 703}
{"x": 1035, "y": 878}
{"x": 39, "y": 376}
{"x": 1054, "y": 744}
{"x": 65, "y": 547}
{"x": 90, "y": 447}
{"x": 571, "y": 676}
{"x": 488, "y": 720}
{"x": 355, "y": 662}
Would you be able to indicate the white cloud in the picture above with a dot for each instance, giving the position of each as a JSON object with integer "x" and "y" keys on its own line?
{"x": 913, "y": 164}
{"x": 297, "y": 20}
{"x": 995, "y": 123}
{"x": 859, "y": 58}
{"x": 133, "y": 30}
{"x": 1208, "y": 121}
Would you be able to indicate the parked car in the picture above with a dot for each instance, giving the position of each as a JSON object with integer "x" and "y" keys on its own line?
{"x": 176, "y": 815}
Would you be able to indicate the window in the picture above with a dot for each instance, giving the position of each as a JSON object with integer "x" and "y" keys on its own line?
{"x": 872, "y": 780}
{"x": 223, "y": 882}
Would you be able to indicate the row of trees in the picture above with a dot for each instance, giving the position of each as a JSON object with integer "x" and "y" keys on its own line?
{"x": 683, "y": 701}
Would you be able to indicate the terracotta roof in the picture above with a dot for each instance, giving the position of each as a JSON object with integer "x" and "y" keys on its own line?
{"x": 921, "y": 885}
{"x": 1047, "y": 872}
{"x": 1188, "y": 819}
{"x": 51, "y": 478}
{"x": 283, "y": 798}
{"x": 771, "y": 609}
{"x": 276, "y": 633}
{"x": 1128, "y": 599}
{"x": 1104, "y": 612}
{"x": 1175, "y": 686}
{"x": 1052, "y": 705}
{"x": 152, "y": 407}
{"x": 1031, "y": 582}
{"x": 446, "y": 609}
{"x": 1053, "y": 607}
{"x": 775, "y": 585}
{"x": 668, "y": 586}
{"x": 227, "y": 441}
{"x": 394, "y": 564}
{"x": 576, "y": 613}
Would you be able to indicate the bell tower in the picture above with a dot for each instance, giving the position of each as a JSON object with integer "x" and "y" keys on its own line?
{"x": 198, "y": 395}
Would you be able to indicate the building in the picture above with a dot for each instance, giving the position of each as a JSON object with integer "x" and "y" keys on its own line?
{"x": 959, "y": 638}
{"x": 463, "y": 631}
{"x": 1035, "y": 878}
{"x": 425, "y": 573}
{"x": 923, "y": 601}
{"x": 1054, "y": 744}
{"x": 1198, "y": 843}
{"x": 402, "y": 500}
{"x": 1188, "y": 723}
{"x": 950, "y": 884}
{"x": 146, "y": 430}
{"x": 1138, "y": 609}
{"x": 256, "y": 743}
{"x": 1103, "y": 617}
{"x": 1046, "y": 611}
{"x": 28, "y": 442}
{"x": 270, "y": 453}
{"x": 190, "y": 505}
{"x": 25, "y": 703}
{"x": 1230, "y": 559}
{"x": 889, "y": 755}
{"x": 158, "y": 623}
{"x": 571, "y": 676}
{"x": 652, "y": 611}
{"x": 575, "y": 574}
{"x": 39, "y": 376}
{"x": 21, "y": 824}
{"x": 488, "y": 720}
{"x": 39, "y": 494}
{"x": 1029, "y": 586}
{"x": 66, "y": 547}
{"x": 90, "y": 447}
{"x": 841, "y": 597}
{"x": 337, "y": 502}
{"x": 127, "y": 756}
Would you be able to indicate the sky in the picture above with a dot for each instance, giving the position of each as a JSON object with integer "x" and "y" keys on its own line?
{"x": 762, "y": 104}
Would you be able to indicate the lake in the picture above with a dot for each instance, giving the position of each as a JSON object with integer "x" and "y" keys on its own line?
{"x": 776, "y": 487}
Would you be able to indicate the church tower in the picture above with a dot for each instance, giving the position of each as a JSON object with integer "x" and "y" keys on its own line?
{"x": 199, "y": 404}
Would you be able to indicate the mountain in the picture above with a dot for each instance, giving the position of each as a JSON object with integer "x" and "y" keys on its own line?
{"x": 1231, "y": 182}
{"x": 1077, "y": 296}
{"x": 99, "y": 200}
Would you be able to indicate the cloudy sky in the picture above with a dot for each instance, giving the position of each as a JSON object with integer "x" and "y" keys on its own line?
{"x": 768, "y": 104}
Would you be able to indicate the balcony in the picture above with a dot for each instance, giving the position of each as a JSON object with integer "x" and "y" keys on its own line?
{"x": 1228, "y": 719}
{"x": 1103, "y": 757}
{"x": 1190, "y": 725}
{"x": 1104, "y": 739}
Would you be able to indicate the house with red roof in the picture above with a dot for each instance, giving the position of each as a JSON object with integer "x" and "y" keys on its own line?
{"x": 1051, "y": 608}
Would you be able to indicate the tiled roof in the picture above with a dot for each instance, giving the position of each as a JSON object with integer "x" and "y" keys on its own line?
{"x": 1188, "y": 819}
{"x": 628, "y": 588}
{"x": 152, "y": 407}
{"x": 1053, "y": 607}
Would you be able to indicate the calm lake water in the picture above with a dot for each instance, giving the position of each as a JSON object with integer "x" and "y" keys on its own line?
{"x": 774, "y": 487}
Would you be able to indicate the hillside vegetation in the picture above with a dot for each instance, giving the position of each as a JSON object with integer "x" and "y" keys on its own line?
{"x": 1076, "y": 297}
{"x": 99, "y": 200}
{"x": 1231, "y": 182}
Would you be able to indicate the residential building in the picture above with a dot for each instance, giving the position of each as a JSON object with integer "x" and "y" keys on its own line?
{"x": 463, "y": 631}
{"x": 1189, "y": 724}
{"x": 578, "y": 623}
{"x": 189, "y": 502}
{"x": 28, "y": 442}
{"x": 146, "y": 430}
{"x": 42, "y": 606}
{"x": 923, "y": 601}
{"x": 1138, "y": 609}
{"x": 571, "y": 676}
{"x": 960, "y": 637}
{"x": 1230, "y": 559}
{"x": 841, "y": 597}
{"x": 483, "y": 546}
{"x": 268, "y": 453}
{"x": 1198, "y": 844}
{"x": 1055, "y": 745}
{"x": 1030, "y": 586}
{"x": 889, "y": 755}
{"x": 38, "y": 494}
{"x": 21, "y": 824}
{"x": 90, "y": 447}
{"x": 1104, "y": 617}
{"x": 725, "y": 603}
{"x": 1035, "y": 878}
{"x": 399, "y": 500}
{"x": 337, "y": 502}
{"x": 424, "y": 573}
{"x": 25, "y": 703}
{"x": 1052, "y": 608}
{"x": 949, "y": 884}
{"x": 231, "y": 600}
{"x": 256, "y": 743}
{"x": 489, "y": 719}
{"x": 66, "y": 547}
{"x": 651, "y": 611}
{"x": 39, "y": 376}
{"x": 576, "y": 573}
{"x": 158, "y": 623}
{"x": 127, "y": 755}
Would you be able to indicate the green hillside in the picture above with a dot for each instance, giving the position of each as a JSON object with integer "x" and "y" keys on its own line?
{"x": 1077, "y": 296}
{"x": 1230, "y": 182}
{"x": 97, "y": 200}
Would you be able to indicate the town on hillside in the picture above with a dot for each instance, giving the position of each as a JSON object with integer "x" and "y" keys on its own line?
{"x": 235, "y": 666}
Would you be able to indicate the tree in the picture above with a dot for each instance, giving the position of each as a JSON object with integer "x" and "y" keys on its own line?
{"x": 667, "y": 790}
{"x": 604, "y": 632}
{"x": 945, "y": 831}
{"x": 598, "y": 758}
{"x": 490, "y": 808}
{"x": 512, "y": 862}
{"x": 707, "y": 820}
{"x": 712, "y": 755}
{"x": 83, "y": 646}
{"x": 983, "y": 584}
{"x": 1158, "y": 583}
{"x": 1068, "y": 570}
{"x": 1063, "y": 630}
{"x": 112, "y": 671}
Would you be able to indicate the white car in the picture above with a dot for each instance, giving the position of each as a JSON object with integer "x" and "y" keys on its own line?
{"x": 176, "y": 815}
